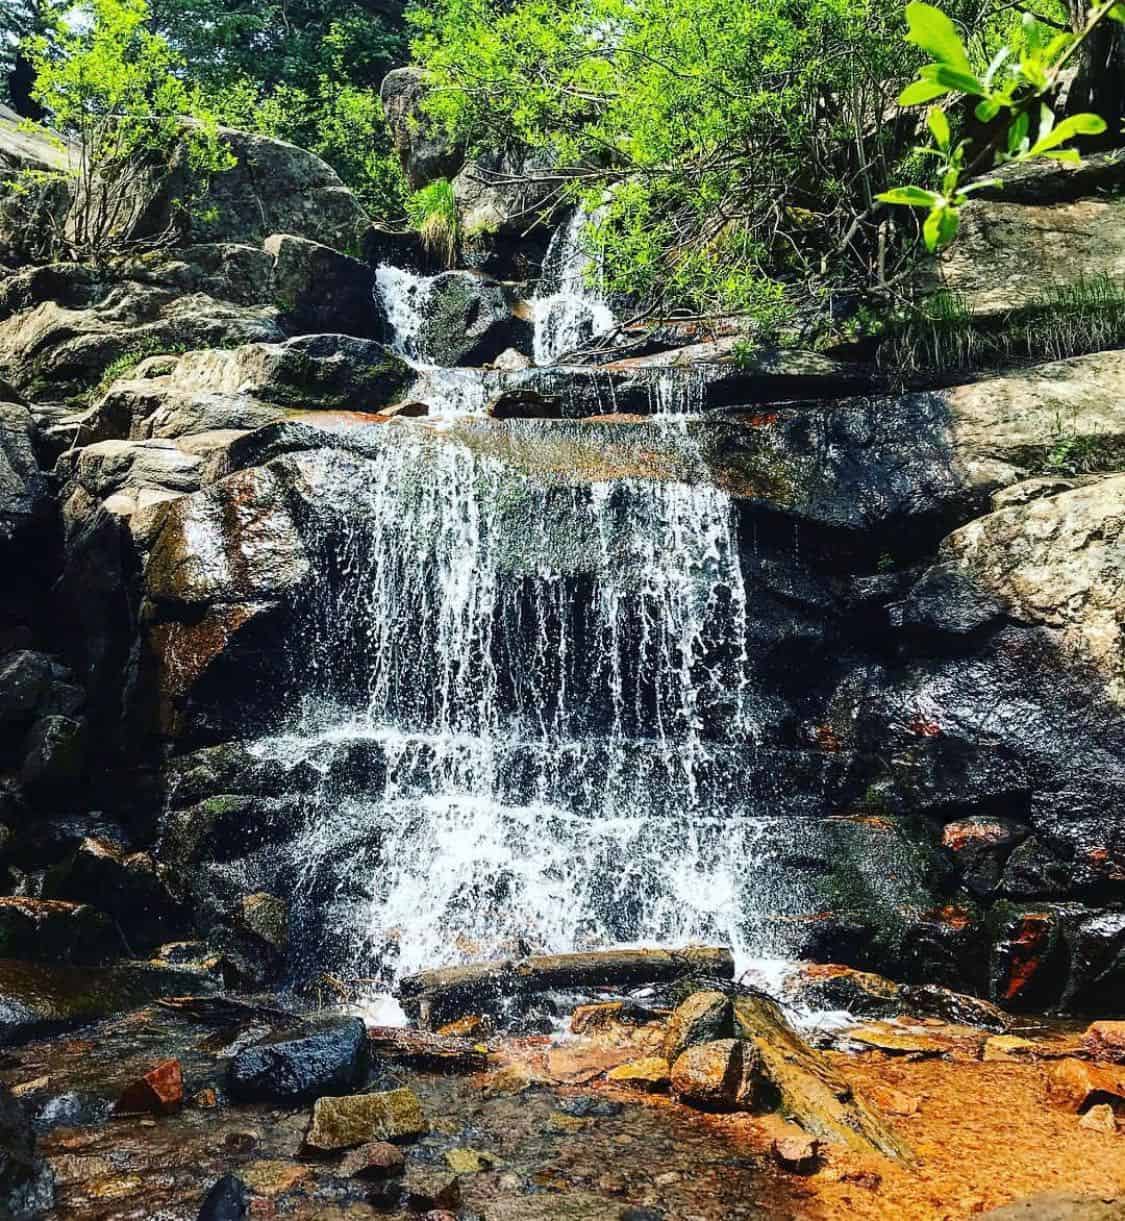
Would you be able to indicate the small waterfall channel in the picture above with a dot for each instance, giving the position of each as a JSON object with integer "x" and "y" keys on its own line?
{"x": 527, "y": 696}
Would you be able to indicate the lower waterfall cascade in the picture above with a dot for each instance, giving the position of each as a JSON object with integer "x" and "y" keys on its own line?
{"x": 544, "y": 682}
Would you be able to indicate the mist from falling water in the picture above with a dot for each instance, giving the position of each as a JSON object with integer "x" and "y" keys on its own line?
{"x": 547, "y": 683}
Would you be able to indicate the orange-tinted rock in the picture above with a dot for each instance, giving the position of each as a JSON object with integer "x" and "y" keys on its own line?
{"x": 1099, "y": 1118}
{"x": 577, "y": 1064}
{"x": 1105, "y": 1041}
{"x": 723, "y": 1075}
{"x": 1078, "y": 1085}
{"x": 473, "y": 1026}
{"x": 1020, "y": 960}
{"x": 596, "y": 1016}
{"x": 650, "y": 1074}
{"x": 797, "y": 1154}
{"x": 160, "y": 1090}
{"x": 892, "y": 1101}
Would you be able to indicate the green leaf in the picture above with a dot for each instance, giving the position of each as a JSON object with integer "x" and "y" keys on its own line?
{"x": 1075, "y": 125}
{"x": 911, "y": 197}
{"x": 952, "y": 78}
{"x": 939, "y": 126}
{"x": 1117, "y": 13}
{"x": 933, "y": 31}
{"x": 921, "y": 91}
{"x": 1069, "y": 156}
{"x": 1017, "y": 133}
{"x": 987, "y": 110}
{"x": 941, "y": 227}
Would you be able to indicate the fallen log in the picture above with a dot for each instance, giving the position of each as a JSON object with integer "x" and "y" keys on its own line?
{"x": 435, "y": 997}
{"x": 808, "y": 1088}
{"x": 421, "y": 1049}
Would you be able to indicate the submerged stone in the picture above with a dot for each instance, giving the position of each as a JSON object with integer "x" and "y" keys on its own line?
{"x": 342, "y": 1123}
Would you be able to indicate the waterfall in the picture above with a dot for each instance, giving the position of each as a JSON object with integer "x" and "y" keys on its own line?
{"x": 569, "y": 312}
{"x": 525, "y": 696}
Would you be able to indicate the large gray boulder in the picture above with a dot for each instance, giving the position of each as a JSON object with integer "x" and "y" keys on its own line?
{"x": 425, "y": 151}
{"x": 1058, "y": 563}
{"x": 54, "y": 350}
{"x": 1045, "y": 227}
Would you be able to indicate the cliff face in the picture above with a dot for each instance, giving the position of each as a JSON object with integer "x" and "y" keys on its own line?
{"x": 925, "y": 721}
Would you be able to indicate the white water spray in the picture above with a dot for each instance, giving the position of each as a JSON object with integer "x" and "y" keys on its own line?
{"x": 569, "y": 311}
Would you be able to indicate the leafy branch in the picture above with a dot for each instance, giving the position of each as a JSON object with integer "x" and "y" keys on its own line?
{"x": 1017, "y": 83}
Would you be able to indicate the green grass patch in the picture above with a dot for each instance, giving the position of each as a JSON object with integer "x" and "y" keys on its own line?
{"x": 941, "y": 334}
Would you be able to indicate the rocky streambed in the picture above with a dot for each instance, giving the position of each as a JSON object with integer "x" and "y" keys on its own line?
{"x": 636, "y": 1108}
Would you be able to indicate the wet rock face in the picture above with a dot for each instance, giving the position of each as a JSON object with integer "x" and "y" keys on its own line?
{"x": 426, "y": 153}
{"x": 468, "y": 320}
{"x": 329, "y": 1058}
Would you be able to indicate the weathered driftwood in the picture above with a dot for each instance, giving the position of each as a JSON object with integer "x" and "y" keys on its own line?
{"x": 809, "y": 1089}
{"x": 421, "y": 1049}
{"x": 438, "y": 996}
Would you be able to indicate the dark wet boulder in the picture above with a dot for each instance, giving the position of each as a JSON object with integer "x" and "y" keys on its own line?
{"x": 34, "y": 684}
{"x": 26, "y": 1182}
{"x": 129, "y": 886}
{"x": 1096, "y": 980}
{"x": 37, "y": 999}
{"x": 54, "y": 757}
{"x": 328, "y": 1058}
{"x": 468, "y": 320}
{"x": 319, "y": 289}
{"x": 49, "y": 930}
{"x": 980, "y": 847}
{"x": 228, "y": 1200}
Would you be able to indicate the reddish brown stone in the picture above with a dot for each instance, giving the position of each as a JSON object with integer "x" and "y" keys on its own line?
{"x": 1025, "y": 951}
{"x": 1078, "y": 1085}
{"x": 1105, "y": 1040}
{"x": 160, "y": 1090}
{"x": 377, "y": 1160}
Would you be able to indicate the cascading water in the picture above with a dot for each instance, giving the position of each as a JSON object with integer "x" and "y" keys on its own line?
{"x": 525, "y": 697}
{"x": 569, "y": 311}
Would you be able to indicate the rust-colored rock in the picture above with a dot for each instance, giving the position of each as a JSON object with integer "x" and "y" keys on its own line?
{"x": 797, "y": 1154}
{"x": 1078, "y": 1085}
{"x": 159, "y": 1091}
{"x": 892, "y": 1101}
{"x": 577, "y": 1064}
{"x": 1105, "y": 1040}
{"x": 473, "y": 1026}
{"x": 721, "y": 1075}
